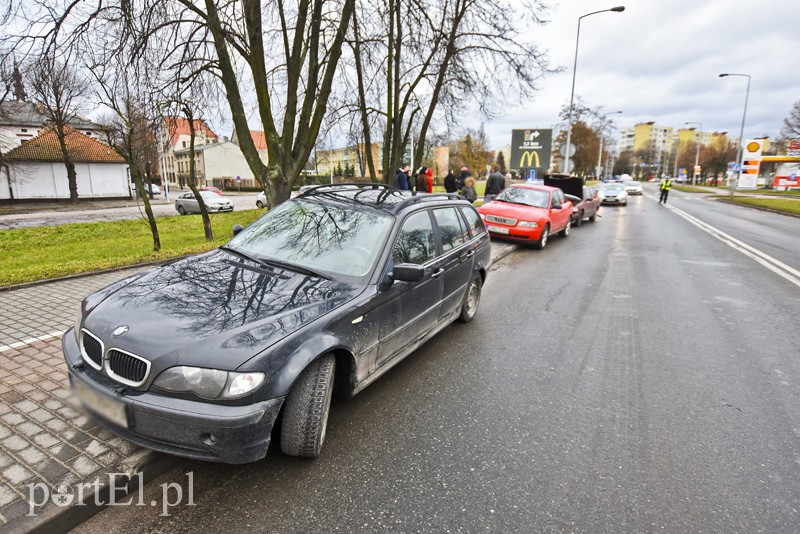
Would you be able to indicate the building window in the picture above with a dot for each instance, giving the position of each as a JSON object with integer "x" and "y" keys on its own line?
{"x": 24, "y": 130}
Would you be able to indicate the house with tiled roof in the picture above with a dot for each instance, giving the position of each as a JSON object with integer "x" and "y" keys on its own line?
{"x": 175, "y": 136}
{"x": 21, "y": 121}
{"x": 35, "y": 170}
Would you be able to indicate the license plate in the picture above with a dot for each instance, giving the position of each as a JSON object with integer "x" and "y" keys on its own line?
{"x": 497, "y": 229}
{"x": 103, "y": 405}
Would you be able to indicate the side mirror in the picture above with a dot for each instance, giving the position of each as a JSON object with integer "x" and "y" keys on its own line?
{"x": 237, "y": 228}
{"x": 408, "y": 272}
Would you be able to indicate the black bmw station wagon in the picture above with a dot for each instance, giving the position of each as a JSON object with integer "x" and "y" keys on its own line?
{"x": 327, "y": 291}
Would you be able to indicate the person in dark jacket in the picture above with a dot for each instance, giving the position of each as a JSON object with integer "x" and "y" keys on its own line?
{"x": 468, "y": 191}
{"x": 450, "y": 182}
{"x": 421, "y": 182}
{"x": 462, "y": 178}
{"x": 402, "y": 178}
{"x": 494, "y": 185}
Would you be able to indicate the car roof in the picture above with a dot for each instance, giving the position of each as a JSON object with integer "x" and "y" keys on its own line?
{"x": 382, "y": 197}
{"x": 536, "y": 187}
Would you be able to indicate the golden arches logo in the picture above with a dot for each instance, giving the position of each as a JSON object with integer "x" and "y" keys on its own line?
{"x": 529, "y": 155}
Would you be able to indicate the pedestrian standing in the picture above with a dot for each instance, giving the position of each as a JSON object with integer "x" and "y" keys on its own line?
{"x": 665, "y": 185}
{"x": 463, "y": 177}
{"x": 494, "y": 185}
{"x": 450, "y": 182}
{"x": 429, "y": 175}
{"x": 468, "y": 191}
{"x": 402, "y": 178}
{"x": 422, "y": 180}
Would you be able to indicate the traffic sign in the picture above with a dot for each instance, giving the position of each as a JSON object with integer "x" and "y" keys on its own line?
{"x": 563, "y": 149}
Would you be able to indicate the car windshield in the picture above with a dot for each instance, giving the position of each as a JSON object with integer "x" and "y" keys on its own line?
{"x": 613, "y": 187}
{"x": 529, "y": 197}
{"x": 211, "y": 195}
{"x": 317, "y": 236}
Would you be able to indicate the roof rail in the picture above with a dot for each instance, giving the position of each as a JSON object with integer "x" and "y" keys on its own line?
{"x": 416, "y": 197}
{"x": 324, "y": 188}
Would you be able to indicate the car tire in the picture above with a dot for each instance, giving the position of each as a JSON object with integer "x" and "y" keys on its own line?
{"x": 472, "y": 298}
{"x": 542, "y": 242}
{"x": 579, "y": 220}
{"x": 593, "y": 217}
{"x": 181, "y": 210}
{"x": 305, "y": 413}
{"x": 259, "y": 204}
{"x": 565, "y": 231}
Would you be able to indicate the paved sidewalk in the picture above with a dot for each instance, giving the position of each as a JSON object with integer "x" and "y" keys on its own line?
{"x": 49, "y": 447}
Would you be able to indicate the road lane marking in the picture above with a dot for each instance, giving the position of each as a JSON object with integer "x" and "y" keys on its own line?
{"x": 774, "y": 265}
{"x": 26, "y": 342}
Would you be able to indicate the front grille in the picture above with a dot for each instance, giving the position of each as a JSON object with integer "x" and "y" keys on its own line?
{"x": 501, "y": 220}
{"x": 127, "y": 368}
{"x": 92, "y": 350}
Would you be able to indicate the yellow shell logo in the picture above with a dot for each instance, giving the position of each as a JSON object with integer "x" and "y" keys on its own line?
{"x": 753, "y": 146}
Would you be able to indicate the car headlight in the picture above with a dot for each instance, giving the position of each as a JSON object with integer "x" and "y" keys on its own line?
{"x": 574, "y": 209}
{"x": 78, "y": 324}
{"x": 208, "y": 383}
{"x": 528, "y": 224}
{"x": 483, "y": 217}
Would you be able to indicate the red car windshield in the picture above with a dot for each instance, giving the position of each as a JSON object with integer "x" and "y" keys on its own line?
{"x": 528, "y": 197}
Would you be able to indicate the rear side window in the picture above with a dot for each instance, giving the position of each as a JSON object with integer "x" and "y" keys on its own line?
{"x": 415, "y": 242}
{"x": 451, "y": 228}
{"x": 474, "y": 222}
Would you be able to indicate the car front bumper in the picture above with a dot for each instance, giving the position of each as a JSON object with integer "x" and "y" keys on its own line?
{"x": 515, "y": 233}
{"x": 192, "y": 429}
{"x": 615, "y": 200}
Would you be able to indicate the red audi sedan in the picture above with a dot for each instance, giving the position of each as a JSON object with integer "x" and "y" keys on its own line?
{"x": 528, "y": 213}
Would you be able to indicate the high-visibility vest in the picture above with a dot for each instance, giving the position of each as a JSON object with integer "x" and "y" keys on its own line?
{"x": 665, "y": 185}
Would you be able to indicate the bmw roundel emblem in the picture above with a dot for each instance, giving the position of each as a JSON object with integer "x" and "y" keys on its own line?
{"x": 120, "y": 330}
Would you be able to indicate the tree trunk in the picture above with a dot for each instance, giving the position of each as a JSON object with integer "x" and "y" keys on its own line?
{"x": 72, "y": 177}
{"x": 148, "y": 209}
{"x": 193, "y": 179}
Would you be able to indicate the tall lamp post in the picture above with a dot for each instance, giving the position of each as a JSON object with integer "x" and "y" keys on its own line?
{"x": 741, "y": 131}
{"x": 617, "y": 9}
{"x": 697, "y": 153}
{"x": 600, "y": 154}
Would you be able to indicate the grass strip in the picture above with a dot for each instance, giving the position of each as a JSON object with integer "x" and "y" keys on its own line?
{"x": 29, "y": 254}
{"x": 778, "y": 204}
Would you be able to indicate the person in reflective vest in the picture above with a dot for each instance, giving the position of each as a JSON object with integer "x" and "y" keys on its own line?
{"x": 665, "y": 185}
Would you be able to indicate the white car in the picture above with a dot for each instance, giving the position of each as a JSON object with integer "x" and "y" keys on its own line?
{"x": 633, "y": 188}
{"x": 261, "y": 200}
{"x": 612, "y": 193}
{"x": 215, "y": 203}
{"x": 156, "y": 189}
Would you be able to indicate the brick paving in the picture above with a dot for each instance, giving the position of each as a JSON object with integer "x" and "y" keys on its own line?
{"x": 45, "y": 435}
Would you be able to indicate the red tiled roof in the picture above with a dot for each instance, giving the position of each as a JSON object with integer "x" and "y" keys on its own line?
{"x": 179, "y": 126}
{"x": 259, "y": 139}
{"x": 82, "y": 148}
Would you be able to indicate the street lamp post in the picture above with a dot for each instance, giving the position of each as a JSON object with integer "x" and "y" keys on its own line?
{"x": 739, "y": 152}
{"x": 617, "y": 9}
{"x": 697, "y": 153}
{"x": 600, "y": 132}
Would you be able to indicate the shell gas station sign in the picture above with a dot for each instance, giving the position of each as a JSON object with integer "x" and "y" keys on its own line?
{"x": 751, "y": 160}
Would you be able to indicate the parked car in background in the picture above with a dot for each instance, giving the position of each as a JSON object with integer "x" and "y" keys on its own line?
{"x": 633, "y": 188}
{"x": 613, "y": 193}
{"x": 325, "y": 291}
{"x": 156, "y": 189}
{"x": 585, "y": 200}
{"x": 215, "y": 203}
{"x": 528, "y": 213}
{"x": 261, "y": 200}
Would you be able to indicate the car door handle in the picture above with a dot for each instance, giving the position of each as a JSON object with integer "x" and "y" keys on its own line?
{"x": 470, "y": 253}
{"x": 437, "y": 273}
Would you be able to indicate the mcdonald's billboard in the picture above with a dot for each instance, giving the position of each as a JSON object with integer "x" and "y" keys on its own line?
{"x": 530, "y": 149}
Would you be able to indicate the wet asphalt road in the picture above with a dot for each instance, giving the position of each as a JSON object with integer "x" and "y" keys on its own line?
{"x": 638, "y": 376}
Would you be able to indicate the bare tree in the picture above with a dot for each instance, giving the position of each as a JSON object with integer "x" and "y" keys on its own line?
{"x": 418, "y": 60}
{"x": 61, "y": 89}
{"x": 791, "y": 124}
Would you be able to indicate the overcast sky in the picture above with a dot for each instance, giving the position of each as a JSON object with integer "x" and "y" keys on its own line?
{"x": 659, "y": 61}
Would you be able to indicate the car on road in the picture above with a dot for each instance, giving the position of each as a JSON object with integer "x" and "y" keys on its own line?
{"x": 613, "y": 193}
{"x": 215, "y": 203}
{"x": 634, "y": 188}
{"x": 528, "y": 213}
{"x": 156, "y": 189}
{"x": 584, "y": 198}
{"x": 325, "y": 292}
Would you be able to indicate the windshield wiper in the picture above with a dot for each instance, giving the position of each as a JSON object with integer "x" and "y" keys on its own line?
{"x": 264, "y": 262}
{"x": 292, "y": 267}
